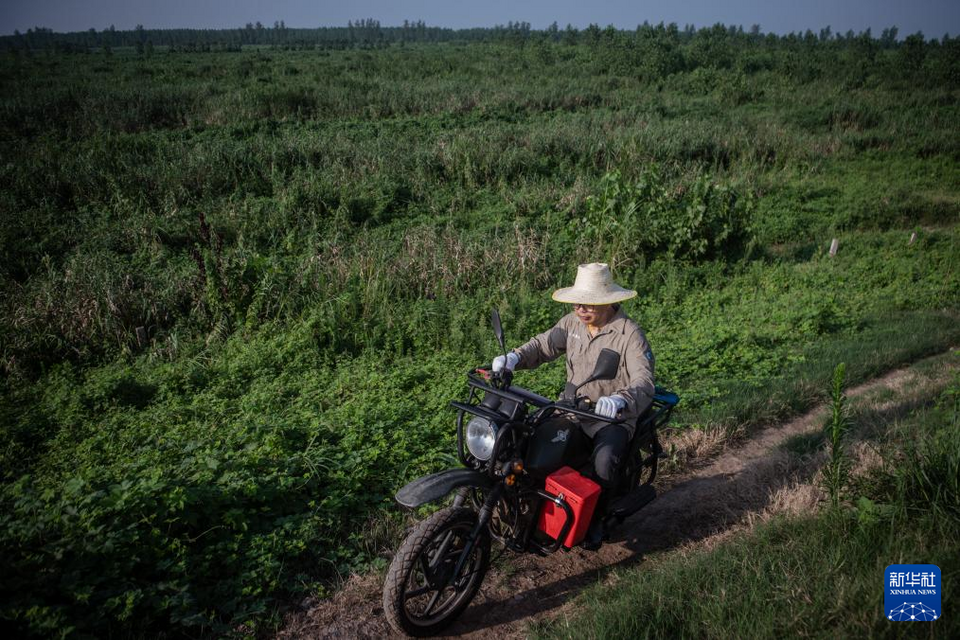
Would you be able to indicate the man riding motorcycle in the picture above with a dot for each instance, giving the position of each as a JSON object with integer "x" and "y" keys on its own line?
{"x": 517, "y": 482}
{"x": 596, "y": 322}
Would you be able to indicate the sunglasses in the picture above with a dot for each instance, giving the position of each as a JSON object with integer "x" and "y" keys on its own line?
{"x": 589, "y": 307}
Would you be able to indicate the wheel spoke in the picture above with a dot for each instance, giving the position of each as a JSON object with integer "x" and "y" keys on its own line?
{"x": 432, "y": 603}
{"x": 441, "y": 550}
{"x": 425, "y": 567}
{"x": 417, "y": 592}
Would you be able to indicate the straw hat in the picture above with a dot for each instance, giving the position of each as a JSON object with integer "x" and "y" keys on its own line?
{"x": 594, "y": 285}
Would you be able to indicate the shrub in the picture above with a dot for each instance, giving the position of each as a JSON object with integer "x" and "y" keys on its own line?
{"x": 640, "y": 220}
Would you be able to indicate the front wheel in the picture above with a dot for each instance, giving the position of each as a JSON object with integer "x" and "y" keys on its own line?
{"x": 422, "y": 595}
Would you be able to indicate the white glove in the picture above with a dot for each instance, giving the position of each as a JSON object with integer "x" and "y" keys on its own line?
{"x": 609, "y": 406}
{"x": 509, "y": 362}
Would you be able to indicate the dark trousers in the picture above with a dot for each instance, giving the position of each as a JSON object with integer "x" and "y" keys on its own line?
{"x": 609, "y": 447}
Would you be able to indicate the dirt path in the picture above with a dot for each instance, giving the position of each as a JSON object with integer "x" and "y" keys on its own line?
{"x": 701, "y": 506}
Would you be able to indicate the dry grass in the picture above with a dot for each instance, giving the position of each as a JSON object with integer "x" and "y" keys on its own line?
{"x": 689, "y": 446}
{"x": 430, "y": 262}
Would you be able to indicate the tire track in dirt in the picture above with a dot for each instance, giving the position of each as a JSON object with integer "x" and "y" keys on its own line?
{"x": 699, "y": 506}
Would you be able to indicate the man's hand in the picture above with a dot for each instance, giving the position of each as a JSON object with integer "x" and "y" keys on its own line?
{"x": 609, "y": 406}
{"x": 508, "y": 362}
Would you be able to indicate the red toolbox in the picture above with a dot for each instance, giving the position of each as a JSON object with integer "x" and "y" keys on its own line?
{"x": 580, "y": 493}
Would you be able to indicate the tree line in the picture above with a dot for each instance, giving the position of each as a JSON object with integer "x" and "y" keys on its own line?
{"x": 368, "y": 33}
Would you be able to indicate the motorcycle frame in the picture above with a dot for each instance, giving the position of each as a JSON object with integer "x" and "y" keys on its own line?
{"x": 516, "y": 418}
{"x": 523, "y": 489}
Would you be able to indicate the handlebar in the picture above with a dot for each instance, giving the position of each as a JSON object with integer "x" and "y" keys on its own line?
{"x": 505, "y": 377}
{"x": 590, "y": 415}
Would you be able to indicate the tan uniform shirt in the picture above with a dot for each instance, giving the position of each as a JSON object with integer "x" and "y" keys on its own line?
{"x": 634, "y": 380}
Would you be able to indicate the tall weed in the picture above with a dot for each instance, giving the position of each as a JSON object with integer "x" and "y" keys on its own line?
{"x": 837, "y": 469}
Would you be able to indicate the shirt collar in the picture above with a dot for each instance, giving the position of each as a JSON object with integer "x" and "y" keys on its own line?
{"x": 618, "y": 323}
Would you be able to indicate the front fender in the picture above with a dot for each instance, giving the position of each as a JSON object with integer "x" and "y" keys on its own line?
{"x": 436, "y": 485}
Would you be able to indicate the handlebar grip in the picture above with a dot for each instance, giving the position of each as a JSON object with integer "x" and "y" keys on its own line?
{"x": 487, "y": 373}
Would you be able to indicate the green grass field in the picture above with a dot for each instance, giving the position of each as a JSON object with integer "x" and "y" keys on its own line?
{"x": 239, "y": 289}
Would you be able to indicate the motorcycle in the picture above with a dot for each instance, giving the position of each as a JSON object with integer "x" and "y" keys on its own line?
{"x": 508, "y": 450}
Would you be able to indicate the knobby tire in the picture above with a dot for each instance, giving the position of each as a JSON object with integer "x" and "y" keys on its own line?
{"x": 431, "y": 546}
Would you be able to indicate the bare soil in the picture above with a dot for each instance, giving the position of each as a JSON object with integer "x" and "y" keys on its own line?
{"x": 701, "y": 506}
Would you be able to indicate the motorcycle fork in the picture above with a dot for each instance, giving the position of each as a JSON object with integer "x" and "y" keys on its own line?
{"x": 483, "y": 519}
{"x": 461, "y": 496}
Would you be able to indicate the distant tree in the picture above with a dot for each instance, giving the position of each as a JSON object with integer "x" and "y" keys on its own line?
{"x": 888, "y": 38}
{"x": 553, "y": 31}
{"x": 867, "y": 46}
{"x": 592, "y": 34}
{"x": 672, "y": 33}
{"x": 913, "y": 52}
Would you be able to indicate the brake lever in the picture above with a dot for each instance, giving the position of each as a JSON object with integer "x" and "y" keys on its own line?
{"x": 500, "y": 379}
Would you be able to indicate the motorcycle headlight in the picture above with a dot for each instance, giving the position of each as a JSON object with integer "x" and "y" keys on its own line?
{"x": 481, "y": 434}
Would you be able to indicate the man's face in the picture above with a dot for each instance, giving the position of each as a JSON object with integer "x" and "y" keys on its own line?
{"x": 593, "y": 314}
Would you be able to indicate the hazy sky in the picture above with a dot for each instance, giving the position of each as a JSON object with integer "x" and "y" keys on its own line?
{"x": 933, "y": 17}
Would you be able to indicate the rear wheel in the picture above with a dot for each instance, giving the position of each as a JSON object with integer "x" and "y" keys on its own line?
{"x": 422, "y": 595}
{"x": 639, "y": 474}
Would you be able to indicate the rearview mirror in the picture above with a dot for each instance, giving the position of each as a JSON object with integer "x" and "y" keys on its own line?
{"x": 606, "y": 369}
{"x": 497, "y": 329}
{"x": 607, "y": 363}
